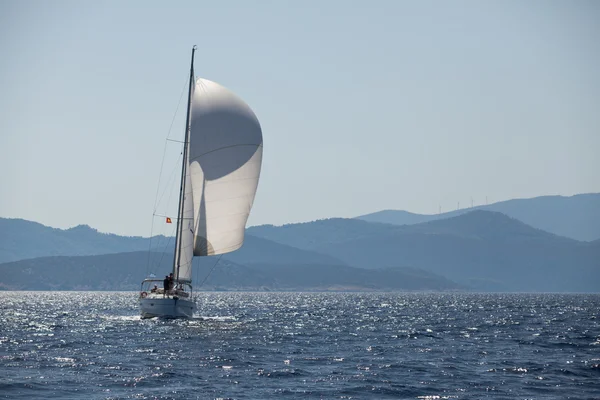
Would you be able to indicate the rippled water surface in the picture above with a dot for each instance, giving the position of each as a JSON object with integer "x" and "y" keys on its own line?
{"x": 73, "y": 345}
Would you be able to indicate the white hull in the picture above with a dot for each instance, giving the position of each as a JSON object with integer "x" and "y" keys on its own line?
{"x": 166, "y": 307}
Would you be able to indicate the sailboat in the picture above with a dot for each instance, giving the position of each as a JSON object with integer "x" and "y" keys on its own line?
{"x": 222, "y": 157}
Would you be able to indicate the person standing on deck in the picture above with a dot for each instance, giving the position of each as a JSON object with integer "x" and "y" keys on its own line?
{"x": 166, "y": 284}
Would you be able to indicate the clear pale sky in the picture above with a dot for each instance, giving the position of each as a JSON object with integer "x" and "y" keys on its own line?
{"x": 364, "y": 105}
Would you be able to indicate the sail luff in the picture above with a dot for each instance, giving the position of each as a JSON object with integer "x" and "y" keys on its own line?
{"x": 186, "y": 249}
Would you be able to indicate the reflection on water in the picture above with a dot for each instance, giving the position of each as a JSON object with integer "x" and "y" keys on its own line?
{"x": 294, "y": 345}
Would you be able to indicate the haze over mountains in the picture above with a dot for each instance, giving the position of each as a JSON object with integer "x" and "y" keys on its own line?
{"x": 471, "y": 250}
{"x": 21, "y": 239}
{"x": 577, "y": 217}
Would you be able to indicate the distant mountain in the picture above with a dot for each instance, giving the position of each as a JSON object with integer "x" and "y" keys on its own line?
{"x": 486, "y": 225}
{"x": 124, "y": 271}
{"x": 258, "y": 250}
{"x": 319, "y": 235}
{"x": 316, "y": 234}
{"x": 401, "y": 217}
{"x": 20, "y": 239}
{"x": 483, "y": 249}
{"x": 268, "y": 266}
{"x": 577, "y": 217}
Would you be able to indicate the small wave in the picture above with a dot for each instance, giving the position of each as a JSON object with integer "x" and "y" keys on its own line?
{"x": 282, "y": 373}
{"x": 515, "y": 370}
{"x": 121, "y": 317}
{"x": 64, "y": 359}
{"x": 215, "y": 318}
{"x": 309, "y": 345}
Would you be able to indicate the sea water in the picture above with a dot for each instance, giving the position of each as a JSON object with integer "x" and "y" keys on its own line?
{"x": 93, "y": 345}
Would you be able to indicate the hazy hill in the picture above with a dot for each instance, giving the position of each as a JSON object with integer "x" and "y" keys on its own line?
{"x": 21, "y": 239}
{"x": 120, "y": 271}
{"x": 319, "y": 235}
{"x": 315, "y": 234}
{"x": 258, "y": 250}
{"x": 263, "y": 251}
{"x": 401, "y": 217}
{"x": 17, "y": 237}
{"x": 486, "y": 225}
{"x": 484, "y": 249}
{"x": 577, "y": 217}
{"x": 124, "y": 271}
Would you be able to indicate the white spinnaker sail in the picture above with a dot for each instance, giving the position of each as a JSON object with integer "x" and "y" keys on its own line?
{"x": 225, "y": 156}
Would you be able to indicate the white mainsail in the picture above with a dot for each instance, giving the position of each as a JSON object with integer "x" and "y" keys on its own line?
{"x": 187, "y": 233}
{"x": 184, "y": 251}
{"x": 225, "y": 155}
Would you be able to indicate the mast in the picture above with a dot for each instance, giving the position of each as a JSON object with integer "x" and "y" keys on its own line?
{"x": 177, "y": 255}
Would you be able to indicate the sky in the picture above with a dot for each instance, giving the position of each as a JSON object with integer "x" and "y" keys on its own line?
{"x": 364, "y": 105}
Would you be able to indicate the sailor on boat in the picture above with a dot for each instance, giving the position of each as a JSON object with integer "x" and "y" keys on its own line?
{"x": 166, "y": 285}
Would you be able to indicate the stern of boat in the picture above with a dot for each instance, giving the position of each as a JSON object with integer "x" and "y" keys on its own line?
{"x": 155, "y": 302}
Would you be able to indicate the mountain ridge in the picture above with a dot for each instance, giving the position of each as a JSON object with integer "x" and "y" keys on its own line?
{"x": 125, "y": 271}
{"x": 16, "y": 236}
{"x": 481, "y": 250}
{"x": 576, "y": 217}
{"x": 478, "y": 249}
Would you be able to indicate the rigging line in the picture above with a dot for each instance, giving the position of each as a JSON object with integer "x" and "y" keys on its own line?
{"x": 170, "y": 189}
{"x": 178, "y": 104}
{"x": 165, "y": 147}
{"x": 162, "y": 256}
{"x": 156, "y": 202}
{"x": 164, "y": 245}
{"x": 154, "y": 209}
{"x": 156, "y": 199}
{"x": 149, "y": 246}
{"x": 160, "y": 175}
{"x": 211, "y": 270}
